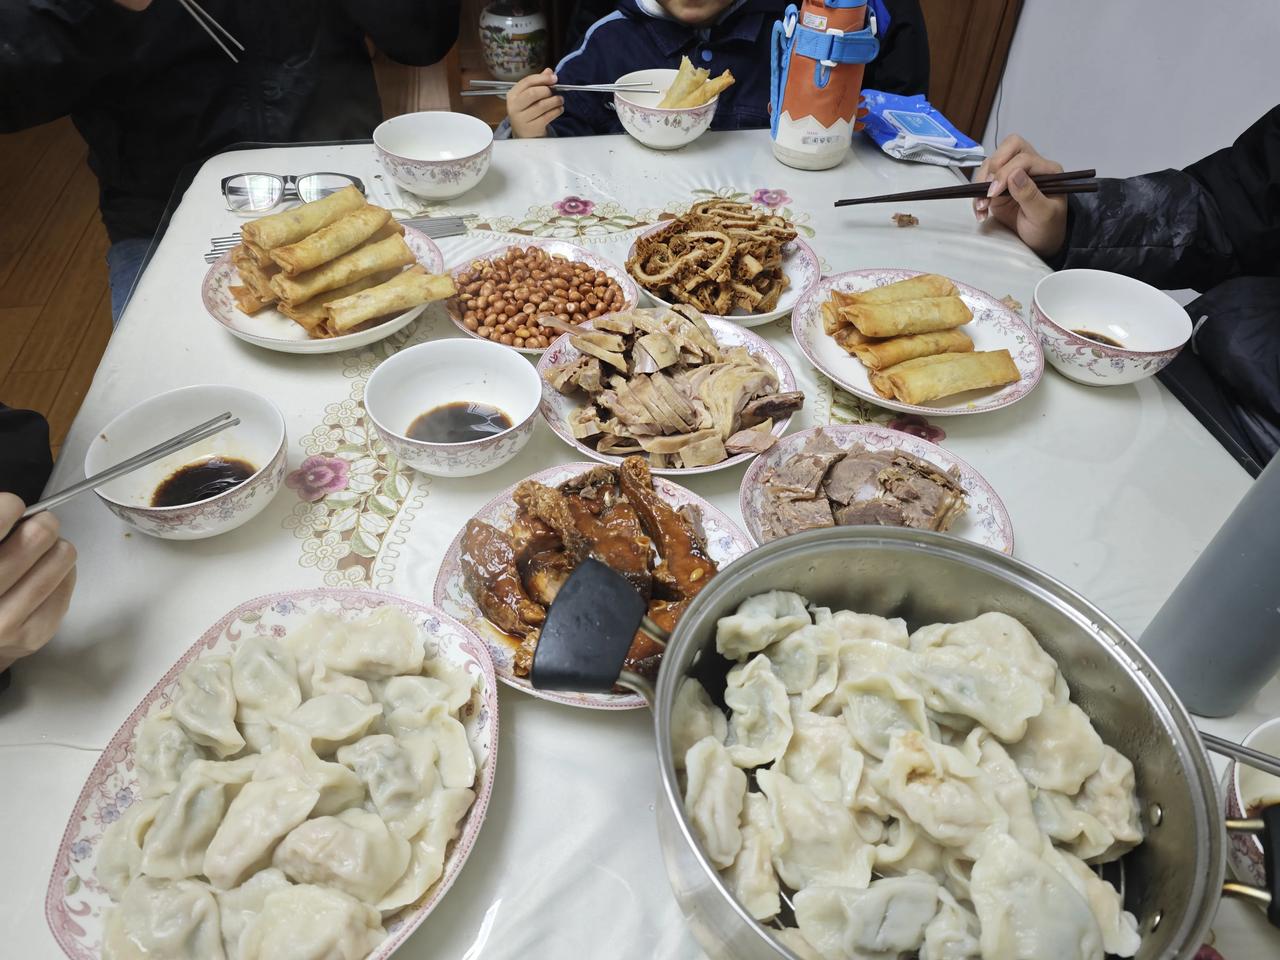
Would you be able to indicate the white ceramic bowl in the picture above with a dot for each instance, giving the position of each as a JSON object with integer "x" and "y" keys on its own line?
{"x": 1151, "y": 327}
{"x": 434, "y": 154}
{"x": 1246, "y": 788}
{"x": 438, "y": 372}
{"x": 259, "y": 438}
{"x": 662, "y": 128}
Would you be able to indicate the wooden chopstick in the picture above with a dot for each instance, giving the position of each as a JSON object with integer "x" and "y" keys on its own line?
{"x": 1052, "y": 184}
{"x": 199, "y": 432}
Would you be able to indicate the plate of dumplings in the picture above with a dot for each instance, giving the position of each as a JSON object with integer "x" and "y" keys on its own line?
{"x": 307, "y": 780}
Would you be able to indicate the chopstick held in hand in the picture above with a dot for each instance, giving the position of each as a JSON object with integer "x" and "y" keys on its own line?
{"x": 1051, "y": 184}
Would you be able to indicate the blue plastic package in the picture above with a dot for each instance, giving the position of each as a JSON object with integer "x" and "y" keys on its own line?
{"x": 909, "y": 128}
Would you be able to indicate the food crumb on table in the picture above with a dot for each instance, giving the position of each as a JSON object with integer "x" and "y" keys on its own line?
{"x": 905, "y": 219}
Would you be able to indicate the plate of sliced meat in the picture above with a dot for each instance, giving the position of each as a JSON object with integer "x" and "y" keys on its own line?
{"x": 864, "y": 474}
{"x": 504, "y": 567}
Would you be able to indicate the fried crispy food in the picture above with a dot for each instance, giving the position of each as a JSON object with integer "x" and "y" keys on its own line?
{"x": 692, "y": 86}
{"x": 721, "y": 256}
{"x": 613, "y": 515}
{"x": 928, "y": 378}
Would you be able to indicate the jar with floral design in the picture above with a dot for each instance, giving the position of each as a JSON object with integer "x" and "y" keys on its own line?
{"x": 513, "y": 38}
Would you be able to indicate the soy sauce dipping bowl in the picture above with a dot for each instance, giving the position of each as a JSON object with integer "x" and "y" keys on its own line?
{"x": 420, "y": 379}
{"x": 259, "y": 438}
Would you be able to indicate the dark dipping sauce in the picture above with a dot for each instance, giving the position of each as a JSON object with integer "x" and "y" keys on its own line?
{"x": 1098, "y": 337}
{"x": 459, "y": 422}
{"x": 200, "y": 481}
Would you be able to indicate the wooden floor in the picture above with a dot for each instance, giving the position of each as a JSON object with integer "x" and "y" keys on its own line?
{"x": 55, "y": 306}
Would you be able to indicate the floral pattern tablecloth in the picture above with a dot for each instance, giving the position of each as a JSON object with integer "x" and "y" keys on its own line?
{"x": 1114, "y": 491}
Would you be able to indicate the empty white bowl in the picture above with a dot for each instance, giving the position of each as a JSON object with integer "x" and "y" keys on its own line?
{"x": 420, "y": 379}
{"x": 434, "y": 154}
{"x": 1149, "y": 326}
{"x": 662, "y": 128}
{"x": 259, "y": 439}
{"x": 1248, "y": 788}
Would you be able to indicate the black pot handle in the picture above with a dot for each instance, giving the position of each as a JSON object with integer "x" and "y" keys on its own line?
{"x": 589, "y": 628}
{"x": 1266, "y": 826}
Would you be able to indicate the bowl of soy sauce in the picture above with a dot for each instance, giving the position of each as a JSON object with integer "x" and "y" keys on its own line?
{"x": 455, "y": 407}
{"x": 208, "y": 488}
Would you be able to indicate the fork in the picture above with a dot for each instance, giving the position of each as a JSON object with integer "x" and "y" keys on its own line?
{"x": 434, "y": 227}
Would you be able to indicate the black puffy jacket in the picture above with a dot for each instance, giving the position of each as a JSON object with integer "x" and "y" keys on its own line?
{"x": 151, "y": 93}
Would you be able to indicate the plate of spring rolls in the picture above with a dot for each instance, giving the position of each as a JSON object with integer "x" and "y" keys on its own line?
{"x": 917, "y": 342}
{"x": 325, "y": 276}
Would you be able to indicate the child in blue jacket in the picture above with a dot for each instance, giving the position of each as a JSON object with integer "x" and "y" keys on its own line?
{"x": 717, "y": 35}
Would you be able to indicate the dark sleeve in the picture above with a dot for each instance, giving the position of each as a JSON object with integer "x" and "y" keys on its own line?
{"x": 902, "y": 66}
{"x": 413, "y": 32}
{"x": 25, "y": 461}
{"x": 52, "y": 51}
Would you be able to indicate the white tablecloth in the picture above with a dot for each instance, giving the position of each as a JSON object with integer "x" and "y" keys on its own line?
{"x": 1115, "y": 491}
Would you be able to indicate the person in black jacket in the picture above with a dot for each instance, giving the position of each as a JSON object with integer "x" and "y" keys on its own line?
{"x": 1213, "y": 227}
{"x": 37, "y": 567}
{"x": 151, "y": 93}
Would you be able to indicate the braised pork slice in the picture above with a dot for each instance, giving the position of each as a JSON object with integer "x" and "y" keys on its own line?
{"x": 492, "y": 577}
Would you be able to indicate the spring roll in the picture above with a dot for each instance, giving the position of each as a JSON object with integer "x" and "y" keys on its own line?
{"x": 247, "y": 302}
{"x": 411, "y": 288}
{"x": 361, "y": 262}
{"x": 707, "y": 91}
{"x": 257, "y": 279}
{"x": 261, "y": 256}
{"x": 880, "y": 354}
{"x": 291, "y": 226}
{"x": 831, "y": 319}
{"x": 910, "y": 316}
{"x": 314, "y": 311}
{"x": 329, "y": 243}
{"x": 928, "y": 378}
{"x": 848, "y": 338}
{"x": 915, "y": 288}
{"x": 687, "y": 79}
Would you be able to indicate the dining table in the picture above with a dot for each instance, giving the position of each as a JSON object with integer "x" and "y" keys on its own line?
{"x": 1112, "y": 490}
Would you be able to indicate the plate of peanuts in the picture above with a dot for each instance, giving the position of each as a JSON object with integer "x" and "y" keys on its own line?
{"x": 525, "y": 295}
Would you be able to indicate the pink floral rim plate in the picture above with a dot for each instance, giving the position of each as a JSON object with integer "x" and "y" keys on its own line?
{"x": 557, "y": 408}
{"x": 986, "y": 521}
{"x": 75, "y": 903}
{"x": 994, "y": 326}
{"x": 800, "y": 264}
{"x": 272, "y": 329}
{"x": 725, "y": 542}
{"x": 463, "y": 259}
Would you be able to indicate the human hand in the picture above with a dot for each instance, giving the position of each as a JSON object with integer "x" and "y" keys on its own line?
{"x": 1016, "y": 201}
{"x": 37, "y": 575}
{"x": 532, "y": 105}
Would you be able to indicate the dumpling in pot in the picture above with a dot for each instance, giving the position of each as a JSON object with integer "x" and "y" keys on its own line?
{"x": 1060, "y": 749}
{"x": 807, "y": 662}
{"x": 886, "y": 920}
{"x": 814, "y": 842}
{"x": 751, "y": 876}
{"x": 760, "y": 621}
{"x": 694, "y": 716}
{"x": 760, "y": 722}
{"x": 713, "y": 800}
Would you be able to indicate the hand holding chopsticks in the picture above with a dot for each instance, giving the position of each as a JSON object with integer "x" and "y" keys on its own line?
{"x": 1051, "y": 185}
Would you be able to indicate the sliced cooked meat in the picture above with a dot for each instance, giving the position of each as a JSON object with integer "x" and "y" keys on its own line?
{"x": 877, "y": 511}
{"x": 751, "y": 440}
{"x": 854, "y": 477}
{"x": 771, "y": 406}
{"x": 930, "y": 499}
{"x": 802, "y": 475}
{"x": 493, "y": 579}
{"x": 785, "y": 515}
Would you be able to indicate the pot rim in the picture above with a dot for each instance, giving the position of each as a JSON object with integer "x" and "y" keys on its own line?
{"x": 1210, "y": 848}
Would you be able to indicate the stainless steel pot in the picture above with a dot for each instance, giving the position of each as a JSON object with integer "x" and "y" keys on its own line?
{"x": 1171, "y": 883}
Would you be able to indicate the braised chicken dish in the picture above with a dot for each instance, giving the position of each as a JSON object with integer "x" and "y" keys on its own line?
{"x": 657, "y": 382}
{"x": 611, "y": 514}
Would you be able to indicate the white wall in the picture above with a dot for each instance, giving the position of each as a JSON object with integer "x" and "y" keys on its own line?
{"x": 1130, "y": 86}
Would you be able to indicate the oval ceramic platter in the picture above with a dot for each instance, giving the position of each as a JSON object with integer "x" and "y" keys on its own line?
{"x": 994, "y": 326}
{"x": 799, "y": 263}
{"x": 272, "y": 329}
{"x": 557, "y": 248}
{"x": 985, "y": 521}
{"x": 556, "y": 407}
{"x": 725, "y": 542}
{"x": 75, "y": 903}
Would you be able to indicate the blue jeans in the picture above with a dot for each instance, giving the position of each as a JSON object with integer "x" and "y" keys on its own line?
{"x": 124, "y": 263}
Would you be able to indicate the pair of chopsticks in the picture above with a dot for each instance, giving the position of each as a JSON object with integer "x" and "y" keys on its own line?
{"x": 437, "y": 228}
{"x": 200, "y": 15}
{"x": 1050, "y": 184}
{"x": 160, "y": 450}
{"x": 499, "y": 88}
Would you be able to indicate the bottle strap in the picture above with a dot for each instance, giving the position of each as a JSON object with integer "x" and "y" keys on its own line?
{"x": 833, "y": 48}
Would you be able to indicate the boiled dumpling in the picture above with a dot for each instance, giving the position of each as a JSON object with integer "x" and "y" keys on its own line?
{"x": 206, "y": 705}
{"x": 455, "y": 760}
{"x": 952, "y": 934}
{"x": 163, "y": 920}
{"x": 324, "y": 680}
{"x": 188, "y": 818}
{"x": 264, "y": 676}
{"x": 1008, "y": 787}
{"x": 354, "y": 852}
{"x": 814, "y": 842}
{"x": 384, "y": 644}
{"x": 311, "y": 923}
{"x": 1003, "y": 637}
{"x": 882, "y": 922}
{"x": 1110, "y": 797}
{"x": 162, "y": 751}
{"x": 964, "y": 685}
{"x": 694, "y": 716}
{"x": 1119, "y": 927}
{"x": 460, "y": 684}
{"x": 713, "y": 800}
{"x": 879, "y": 707}
{"x": 794, "y": 940}
{"x": 120, "y": 851}
{"x": 822, "y": 756}
{"x": 262, "y": 812}
{"x": 760, "y": 722}
{"x": 1060, "y": 749}
{"x": 292, "y": 756}
{"x": 750, "y": 877}
{"x": 867, "y": 626}
{"x": 760, "y": 621}
{"x": 239, "y": 906}
{"x": 307, "y": 641}
{"x": 400, "y": 789}
{"x": 427, "y": 849}
{"x": 333, "y": 720}
{"x": 807, "y": 662}
{"x": 1070, "y": 827}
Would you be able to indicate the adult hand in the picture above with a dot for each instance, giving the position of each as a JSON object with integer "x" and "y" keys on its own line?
{"x": 37, "y": 575}
{"x": 1016, "y": 201}
{"x": 532, "y": 105}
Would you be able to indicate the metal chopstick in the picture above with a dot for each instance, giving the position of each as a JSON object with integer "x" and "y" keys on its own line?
{"x": 508, "y": 84}
{"x": 191, "y": 6}
{"x": 1246, "y": 755}
{"x": 562, "y": 88}
{"x": 159, "y": 451}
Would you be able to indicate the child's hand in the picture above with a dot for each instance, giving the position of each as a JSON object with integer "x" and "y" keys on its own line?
{"x": 532, "y": 105}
